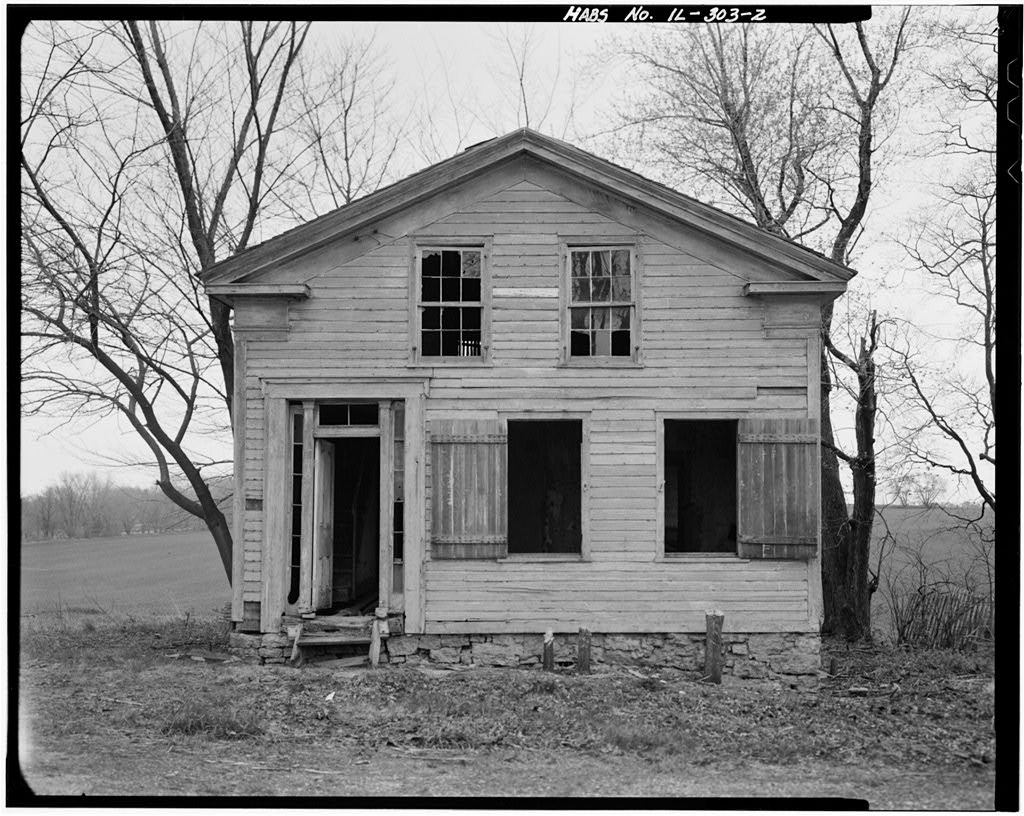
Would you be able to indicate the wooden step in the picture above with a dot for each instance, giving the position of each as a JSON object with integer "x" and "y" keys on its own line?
{"x": 316, "y": 639}
{"x": 332, "y": 639}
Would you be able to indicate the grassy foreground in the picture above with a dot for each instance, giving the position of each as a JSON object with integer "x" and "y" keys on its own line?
{"x": 159, "y": 709}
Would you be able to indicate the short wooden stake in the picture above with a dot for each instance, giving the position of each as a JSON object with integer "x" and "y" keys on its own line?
{"x": 375, "y": 643}
{"x": 583, "y": 652}
{"x": 549, "y": 651}
{"x": 296, "y": 633}
{"x": 713, "y": 646}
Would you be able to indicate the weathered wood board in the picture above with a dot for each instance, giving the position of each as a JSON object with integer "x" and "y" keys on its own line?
{"x": 704, "y": 353}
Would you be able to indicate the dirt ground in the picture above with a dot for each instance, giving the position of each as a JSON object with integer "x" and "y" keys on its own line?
{"x": 161, "y": 710}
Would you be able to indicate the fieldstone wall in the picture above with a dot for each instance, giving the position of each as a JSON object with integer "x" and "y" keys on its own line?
{"x": 261, "y": 648}
{"x": 748, "y": 656}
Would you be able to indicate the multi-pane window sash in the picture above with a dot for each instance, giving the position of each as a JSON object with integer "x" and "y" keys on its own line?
{"x": 601, "y": 304}
{"x": 451, "y": 309}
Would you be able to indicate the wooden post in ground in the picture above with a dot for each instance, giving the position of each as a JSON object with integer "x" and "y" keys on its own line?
{"x": 549, "y": 651}
{"x": 583, "y": 652}
{"x": 713, "y": 646}
{"x": 295, "y": 632}
{"x": 375, "y": 643}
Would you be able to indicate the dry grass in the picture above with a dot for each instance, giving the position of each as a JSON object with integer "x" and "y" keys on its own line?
{"x": 125, "y": 683}
{"x": 217, "y": 717}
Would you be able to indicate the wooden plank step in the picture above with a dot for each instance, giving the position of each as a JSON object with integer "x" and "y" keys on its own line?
{"x": 332, "y": 639}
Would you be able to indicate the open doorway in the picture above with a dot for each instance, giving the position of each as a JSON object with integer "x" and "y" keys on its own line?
{"x": 347, "y": 534}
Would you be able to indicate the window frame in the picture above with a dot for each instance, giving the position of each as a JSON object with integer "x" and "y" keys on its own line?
{"x": 571, "y": 243}
{"x": 659, "y": 475}
{"x": 425, "y": 243}
{"x": 584, "y": 418}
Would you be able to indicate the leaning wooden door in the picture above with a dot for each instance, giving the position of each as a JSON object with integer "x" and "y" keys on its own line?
{"x": 323, "y": 530}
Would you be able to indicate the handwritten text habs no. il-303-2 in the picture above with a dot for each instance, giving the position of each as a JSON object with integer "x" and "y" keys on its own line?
{"x": 638, "y": 14}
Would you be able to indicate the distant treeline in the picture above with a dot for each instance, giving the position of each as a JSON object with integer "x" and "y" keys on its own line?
{"x": 85, "y": 505}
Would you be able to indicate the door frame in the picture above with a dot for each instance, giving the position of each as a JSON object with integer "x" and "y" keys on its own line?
{"x": 280, "y": 396}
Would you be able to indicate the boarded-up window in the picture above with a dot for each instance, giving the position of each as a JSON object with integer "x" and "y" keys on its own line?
{"x": 468, "y": 489}
{"x": 778, "y": 475}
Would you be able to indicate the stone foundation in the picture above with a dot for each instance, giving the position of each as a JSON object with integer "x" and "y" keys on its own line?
{"x": 777, "y": 656}
{"x": 262, "y": 648}
{"x": 788, "y": 656}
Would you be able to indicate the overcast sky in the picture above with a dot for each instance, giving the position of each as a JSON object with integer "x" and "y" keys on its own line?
{"x": 469, "y": 63}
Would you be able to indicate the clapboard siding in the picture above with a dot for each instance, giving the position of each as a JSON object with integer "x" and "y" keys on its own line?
{"x": 614, "y": 596}
{"x": 704, "y": 353}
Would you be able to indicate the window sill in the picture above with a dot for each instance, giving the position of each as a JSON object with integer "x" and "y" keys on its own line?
{"x": 600, "y": 362}
{"x": 718, "y": 558}
{"x": 520, "y": 558}
{"x": 458, "y": 362}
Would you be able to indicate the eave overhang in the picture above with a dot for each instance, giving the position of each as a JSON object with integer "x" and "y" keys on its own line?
{"x": 823, "y": 291}
{"x": 230, "y": 292}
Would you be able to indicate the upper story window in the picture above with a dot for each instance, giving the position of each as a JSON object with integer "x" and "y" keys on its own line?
{"x": 602, "y": 302}
{"x": 452, "y": 301}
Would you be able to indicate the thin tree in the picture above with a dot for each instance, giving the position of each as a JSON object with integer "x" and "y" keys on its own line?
{"x": 148, "y": 152}
{"x": 783, "y": 125}
{"x": 953, "y": 400}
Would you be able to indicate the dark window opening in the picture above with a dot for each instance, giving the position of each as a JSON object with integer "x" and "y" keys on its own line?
{"x": 544, "y": 486}
{"x": 353, "y": 413}
{"x": 700, "y": 486}
{"x": 451, "y": 311}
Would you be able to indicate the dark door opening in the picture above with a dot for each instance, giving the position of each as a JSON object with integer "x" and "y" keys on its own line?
{"x": 356, "y": 524}
{"x": 700, "y": 486}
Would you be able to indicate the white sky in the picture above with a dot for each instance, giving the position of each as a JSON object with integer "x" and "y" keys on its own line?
{"x": 475, "y": 55}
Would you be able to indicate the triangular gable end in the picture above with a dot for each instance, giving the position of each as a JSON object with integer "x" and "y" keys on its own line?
{"x": 609, "y": 181}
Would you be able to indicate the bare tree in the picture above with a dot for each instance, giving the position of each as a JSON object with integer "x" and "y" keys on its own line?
{"x": 527, "y": 84}
{"x": 71, "y": 496}
{"x": 783, "y": 125}
{"x": 446, "y": 113}
{"x": 738, "y": 115}
{"x": 346, "y": 116}
{"x": 533, "y": 82}
{"x": 148, "y": 152}
{"x": 47, "y": 512}
{"x": 955, "y": 246}
{"x": 39, "y": 515}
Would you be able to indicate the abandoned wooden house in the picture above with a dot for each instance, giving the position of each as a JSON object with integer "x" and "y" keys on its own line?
{"x": 527, "y": 389}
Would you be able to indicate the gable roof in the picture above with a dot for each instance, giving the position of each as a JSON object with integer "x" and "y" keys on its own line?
{"x": 438, "y": 177}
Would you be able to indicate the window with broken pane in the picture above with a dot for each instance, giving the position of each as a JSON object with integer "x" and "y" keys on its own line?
{"x": 601, "y": 302}
{"x": 398, "y": 468}
{"x": 451, "y": 308}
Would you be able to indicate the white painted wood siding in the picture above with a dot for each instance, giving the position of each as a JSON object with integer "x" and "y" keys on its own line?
{"x": 704, "y": 352}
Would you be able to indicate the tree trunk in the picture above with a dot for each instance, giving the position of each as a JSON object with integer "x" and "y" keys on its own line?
{"x": 846, "y": 539}
{"x": 221, "y": 532}
{"x": 220, "y": 315}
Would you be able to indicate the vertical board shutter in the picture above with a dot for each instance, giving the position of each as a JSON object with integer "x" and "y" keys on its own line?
{"x": 778, "y": 472}
{"x": 468, "y": 473}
